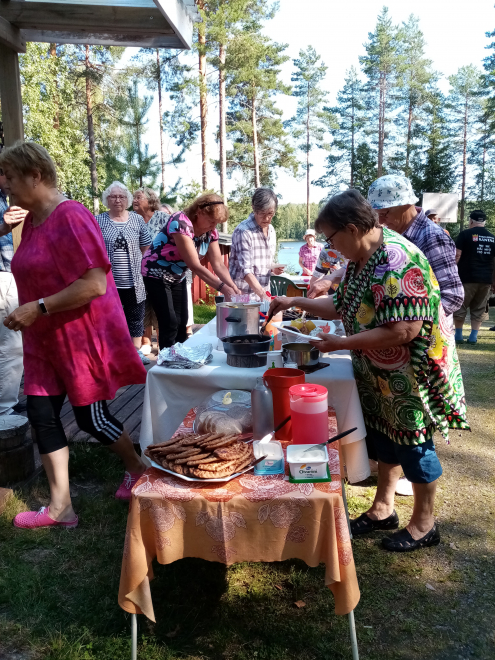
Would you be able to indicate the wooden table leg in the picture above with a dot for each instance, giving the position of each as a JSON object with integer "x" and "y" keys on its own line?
{"x": 133, "y": 636}
{"x": 352, "y": 630}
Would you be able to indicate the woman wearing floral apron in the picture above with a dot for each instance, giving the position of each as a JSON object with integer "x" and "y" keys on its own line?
{"x": 404, "y": 359}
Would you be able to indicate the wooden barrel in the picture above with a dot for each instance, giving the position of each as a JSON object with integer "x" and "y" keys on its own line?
{"x": 16, "y": 451}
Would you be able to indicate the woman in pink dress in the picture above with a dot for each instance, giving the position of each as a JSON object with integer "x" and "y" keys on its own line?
{"x": 75, "y": 335}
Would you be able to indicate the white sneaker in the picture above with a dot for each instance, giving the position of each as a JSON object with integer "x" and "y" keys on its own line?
{"x": 144, "y": 359}
{"x": 146, "y": 349}
{"x": 404, "y": 487}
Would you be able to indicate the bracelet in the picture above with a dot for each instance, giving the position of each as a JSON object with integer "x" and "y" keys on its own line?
{"x": 220, "y": 286}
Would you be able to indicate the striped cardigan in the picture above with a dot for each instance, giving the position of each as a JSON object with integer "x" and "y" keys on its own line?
{"x": 137, "y": 236}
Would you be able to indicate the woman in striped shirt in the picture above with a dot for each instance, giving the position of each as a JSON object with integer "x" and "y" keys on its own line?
{"x": 126, "y": 239}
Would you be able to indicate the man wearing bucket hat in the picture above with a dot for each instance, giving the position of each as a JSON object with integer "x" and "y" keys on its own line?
{"x": 309, "y": 253}
{"x": 394, "y": 199}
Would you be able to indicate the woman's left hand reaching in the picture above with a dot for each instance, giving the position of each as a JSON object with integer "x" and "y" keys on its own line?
{"x": 23, "y": 316}
{"x": 329, "y": 343}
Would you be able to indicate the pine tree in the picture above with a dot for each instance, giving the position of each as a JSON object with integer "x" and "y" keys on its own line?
{"x": 380, "y": 67}
{"x": 346, "y": 121}
{"x": 168, "y": 71}
{"x": 260, "y": 143}
{"x": 435, "y": 170}
{"x": 139, "y": 165}
{"x": 414, "y": 77}
{"x": 310, "y": 123}
{"x": 463, "y": 104}
{"x": 365, "y": 170}
{"x": 481, "y": 150}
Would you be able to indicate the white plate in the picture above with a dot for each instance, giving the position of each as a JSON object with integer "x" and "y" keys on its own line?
{"x": 203, "y": 481}
{"x": 286, "y": 328}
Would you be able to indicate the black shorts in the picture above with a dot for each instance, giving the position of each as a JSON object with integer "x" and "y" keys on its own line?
{"x": 44, "y": 416}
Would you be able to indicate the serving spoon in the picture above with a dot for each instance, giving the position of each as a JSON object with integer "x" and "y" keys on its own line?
{"x": 320, "y": 445}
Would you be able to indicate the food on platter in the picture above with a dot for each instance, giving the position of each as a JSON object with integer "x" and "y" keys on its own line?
{"x": 204, "y": 456}
{"x": 304, "y": 326}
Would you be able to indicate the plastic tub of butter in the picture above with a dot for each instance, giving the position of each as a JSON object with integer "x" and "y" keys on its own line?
{"x": 274, "y": 461}
{"x": 308, "y": 465}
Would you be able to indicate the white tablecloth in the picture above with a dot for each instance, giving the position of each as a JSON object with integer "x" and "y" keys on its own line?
{"x": 299, "y": 280}
{"x": 171, "y": 393}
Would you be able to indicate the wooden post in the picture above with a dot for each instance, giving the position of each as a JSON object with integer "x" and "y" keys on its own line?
{"x": 10, "y": 96}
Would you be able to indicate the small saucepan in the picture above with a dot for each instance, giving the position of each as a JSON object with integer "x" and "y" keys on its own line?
{"x": 304, "y": 355}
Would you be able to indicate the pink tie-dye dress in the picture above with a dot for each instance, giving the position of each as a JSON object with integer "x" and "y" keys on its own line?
{"x": 86, "y": 352}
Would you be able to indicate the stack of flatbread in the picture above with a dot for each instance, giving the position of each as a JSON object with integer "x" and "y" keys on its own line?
{"x": 208, "y": 456}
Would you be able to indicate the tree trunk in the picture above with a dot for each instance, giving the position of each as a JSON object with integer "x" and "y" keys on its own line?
{"x": 203, "y": 103}
{"x": 381, "y": 126}
{"x": 464, "y": 164}
{"x": 91, "y": 137}
{"x": 409, "y": 138}
{"x": 56, "y": 119}
{"x": 160, "y": 109}
{"x": 255, "y": 144}
{"x": 222, "y": 126}
{"x": 353, "y": 163}
{"x": 307, "y": 162}
{"x": 483, "y": 163}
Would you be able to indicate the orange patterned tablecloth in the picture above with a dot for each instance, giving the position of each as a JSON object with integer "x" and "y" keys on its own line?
{"x": 250, "y": 518}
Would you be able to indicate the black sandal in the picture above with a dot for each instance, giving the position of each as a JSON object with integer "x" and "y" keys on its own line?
{"x": 364, "y": 524}
{"x": 403, "y": 541}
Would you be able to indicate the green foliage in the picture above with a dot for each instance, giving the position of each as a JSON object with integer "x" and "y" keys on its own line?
{"x": 346, "y": 120}
{"x": 380, "y": 66}
{"x": 254, "y": 124}
{"x": 434, "y": 167}
{"x": 311, "y": 122}
{"x": 54, "y": 116}
{"x": 290, "y": 220}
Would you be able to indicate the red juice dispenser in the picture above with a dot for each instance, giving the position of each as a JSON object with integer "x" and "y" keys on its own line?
{"x": 279, "y": 381}
{"x": 309, "y": 410}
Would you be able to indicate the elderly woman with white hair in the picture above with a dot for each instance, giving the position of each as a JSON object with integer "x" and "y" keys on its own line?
{"x": 126, "y": 239}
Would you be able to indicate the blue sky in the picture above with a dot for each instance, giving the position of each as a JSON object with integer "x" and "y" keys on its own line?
{"x": 454, "y": 31}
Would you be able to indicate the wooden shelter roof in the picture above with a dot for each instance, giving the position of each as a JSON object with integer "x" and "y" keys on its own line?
{"x": 142, "y": 23}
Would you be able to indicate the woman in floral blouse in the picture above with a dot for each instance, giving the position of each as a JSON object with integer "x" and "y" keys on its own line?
{"x": 404, "y": 359}
{"x": 186, "y": 238}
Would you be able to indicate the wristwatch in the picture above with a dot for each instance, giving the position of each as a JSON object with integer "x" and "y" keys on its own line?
{"x": 44, "y": 310}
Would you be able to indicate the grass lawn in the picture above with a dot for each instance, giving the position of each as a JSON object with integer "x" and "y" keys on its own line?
{"x": 203, "y": 313}
{"x": 58, "y": 588}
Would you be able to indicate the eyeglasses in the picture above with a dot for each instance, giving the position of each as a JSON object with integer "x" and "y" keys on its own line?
{"x": 117, "y": 197}
{"x": 329, "y": 243}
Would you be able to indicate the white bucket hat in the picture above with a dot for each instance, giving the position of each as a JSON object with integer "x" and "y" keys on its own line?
{"x": 391, "y": 190}
{"x": 309, "y": 232}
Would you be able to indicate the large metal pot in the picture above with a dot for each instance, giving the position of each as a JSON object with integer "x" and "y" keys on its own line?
{"x": 304, "y": 355}
{"x": 236, "y": 319}
{"x": 242, "y": 351}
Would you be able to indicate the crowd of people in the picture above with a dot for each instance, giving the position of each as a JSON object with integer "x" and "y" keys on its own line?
{"x": 86, "y": 293}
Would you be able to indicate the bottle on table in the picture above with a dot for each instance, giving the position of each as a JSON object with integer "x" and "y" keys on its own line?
{"x": 262, "y": 410}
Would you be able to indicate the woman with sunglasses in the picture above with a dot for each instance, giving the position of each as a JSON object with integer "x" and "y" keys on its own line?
{"x": 188, "y": 237}
{"x": 404, "y": 359}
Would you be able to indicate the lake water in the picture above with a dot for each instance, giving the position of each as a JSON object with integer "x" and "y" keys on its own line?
{"x": 288, "y": 253}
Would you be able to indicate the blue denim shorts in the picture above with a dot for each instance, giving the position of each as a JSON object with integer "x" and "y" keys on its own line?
{"x": 419, "y": 462}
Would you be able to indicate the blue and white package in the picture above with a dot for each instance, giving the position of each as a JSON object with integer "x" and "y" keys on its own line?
{"x": 274, "y": 461}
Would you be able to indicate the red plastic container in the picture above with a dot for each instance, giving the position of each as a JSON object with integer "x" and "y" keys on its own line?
{"x": 309, "y": 411}
{"x": 279, "y": 381}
